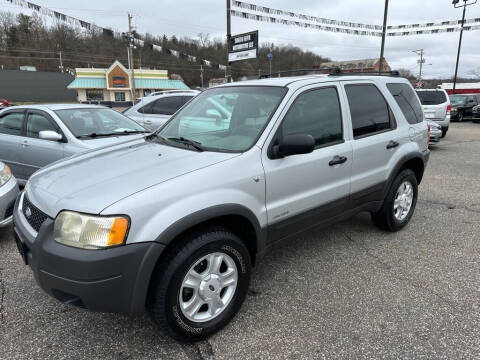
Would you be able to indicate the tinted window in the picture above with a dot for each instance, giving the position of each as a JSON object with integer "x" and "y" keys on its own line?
{"x": 472, "y": 100}
{"x": 37, "y": 123}
{"x": 370, "y": 111}
{"x": 430, "y": 97}
{"x": 164, "y": 106}
{"x": 317, "y": 113}
{"x": 11, "y": 124}
{"x": 406, "y": 99}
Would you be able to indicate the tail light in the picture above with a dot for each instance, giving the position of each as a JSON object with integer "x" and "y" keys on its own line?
{"x": 449, "y": 108}
{"x": 428, "y": 137}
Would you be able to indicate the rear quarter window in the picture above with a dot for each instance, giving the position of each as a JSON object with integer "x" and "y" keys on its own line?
{"x": 407, "y": 101}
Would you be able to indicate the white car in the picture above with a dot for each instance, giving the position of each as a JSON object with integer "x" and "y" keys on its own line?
{"x": 436, "y": 106}
{"x": 154, "y": 110}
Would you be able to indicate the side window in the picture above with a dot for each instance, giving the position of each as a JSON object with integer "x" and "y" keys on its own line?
{"x": 11, "y": 124}
{"x": 472, "y": 100}
{"x": 407, "y": 101}
{"x": 167, "y": 105}
{"x": 37, "y": 123}
{"x": 316, "y": 112}
{"x": 370, "y": 111}
{"x": 186, "y": 99}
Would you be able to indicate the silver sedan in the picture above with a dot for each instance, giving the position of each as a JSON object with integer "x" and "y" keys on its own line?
{"x": 8, "y": 194}
{"x": 34, "y": 136}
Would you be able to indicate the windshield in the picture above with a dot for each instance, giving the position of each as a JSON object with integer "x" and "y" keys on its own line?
{"x": 432, "y": 97}
{"x": 458, "y": 100}
{"x": 225, "y": 119}
{"x": 92, "y": 122}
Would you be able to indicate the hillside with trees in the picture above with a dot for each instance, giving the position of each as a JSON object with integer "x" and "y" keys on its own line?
{"x": 27, "y": 40}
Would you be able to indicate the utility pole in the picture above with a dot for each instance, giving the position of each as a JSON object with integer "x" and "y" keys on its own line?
{"x": 229, "y": 35}
{"x": 384, "y": 34}
{"x": 61, "y": 62}
{"x": 465, "y": 4}
{"x": 421, "y": 62}
{"x": 132, "y": 61}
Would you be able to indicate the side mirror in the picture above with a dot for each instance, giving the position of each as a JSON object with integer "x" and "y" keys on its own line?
{"x": 50, "y": 135}
{"x": 294, "y": 145}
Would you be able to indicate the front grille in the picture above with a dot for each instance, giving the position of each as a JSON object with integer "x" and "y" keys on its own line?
{"x": 34, "y": 216}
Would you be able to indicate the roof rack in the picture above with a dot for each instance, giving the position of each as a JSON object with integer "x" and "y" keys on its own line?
{"x": 336, "y": 71}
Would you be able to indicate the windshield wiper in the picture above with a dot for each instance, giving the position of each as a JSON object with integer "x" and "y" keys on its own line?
{"x": 193, "y": 143}
{"x": 120, "y": 133}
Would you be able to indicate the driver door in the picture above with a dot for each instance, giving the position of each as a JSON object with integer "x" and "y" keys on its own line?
{"x": 36, "y": 153}
{"x": 306, "y": 190}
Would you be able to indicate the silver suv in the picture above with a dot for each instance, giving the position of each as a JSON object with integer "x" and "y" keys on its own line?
{"x": 175, "y": 221}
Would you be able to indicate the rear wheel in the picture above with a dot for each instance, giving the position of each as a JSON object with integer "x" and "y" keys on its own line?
{"x": 399, "y": 204}
{"x": 460, "y": 116}
{"x": 203, "y": 285}
{"x": 444, "y": 132}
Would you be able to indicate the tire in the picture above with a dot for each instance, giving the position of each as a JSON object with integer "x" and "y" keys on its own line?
{"x": 444, "y": 132}
{"x": 168, "y": 290}
{"x": 460, "y": 116}
{"x": 386, "y": 218}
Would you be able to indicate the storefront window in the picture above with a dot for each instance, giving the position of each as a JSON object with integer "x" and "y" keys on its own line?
{"x": 94, "y": 95}
{"x": 119, "y": 96}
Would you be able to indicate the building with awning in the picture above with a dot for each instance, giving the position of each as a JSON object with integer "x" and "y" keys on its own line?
{"x": 113, "y": 86}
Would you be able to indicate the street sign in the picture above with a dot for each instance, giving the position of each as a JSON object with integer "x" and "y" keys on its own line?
{"x": 243, "y": 46}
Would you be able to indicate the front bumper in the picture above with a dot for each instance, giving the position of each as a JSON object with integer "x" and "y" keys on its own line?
{"x": 110, "y": 280}
{"x": 8, "y": 194}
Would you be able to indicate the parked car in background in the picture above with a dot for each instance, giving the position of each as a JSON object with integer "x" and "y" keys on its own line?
{"x": 176, "y": 220}
{"x": 3, "y": 103}
{"x": 435, "y": 132}
{"x": 462, "y": 105}
{"x": 165, "y": 92}
{"x": 8, "y": 194}
{"x": 154, "y": 110}
{"x": 37, "y": 135}
{"x": 436, "y": 107}
{"x": 476, "y": 114}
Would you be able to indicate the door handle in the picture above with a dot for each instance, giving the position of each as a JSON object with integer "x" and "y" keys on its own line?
{"x": 392, "y": 144}
{"x": 337, "y": 160}
{"x": 25, "y": 144}
{"x": 148, "y": 122}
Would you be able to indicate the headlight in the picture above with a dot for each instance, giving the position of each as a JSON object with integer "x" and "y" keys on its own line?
{"x": 5, "y": 175}
{"x": 90, "y": 232}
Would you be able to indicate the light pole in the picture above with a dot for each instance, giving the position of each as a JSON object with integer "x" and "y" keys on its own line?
{"x": 456, "y": 5}
{"x": 270, "y": 59}
{"x": 384, "y": 33}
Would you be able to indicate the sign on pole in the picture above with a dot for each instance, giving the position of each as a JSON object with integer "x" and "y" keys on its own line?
{"x": 243, "y": 46}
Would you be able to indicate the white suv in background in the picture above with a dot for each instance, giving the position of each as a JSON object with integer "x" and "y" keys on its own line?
{"x": 154, "y": 110}
{"x": 436, "y": 106}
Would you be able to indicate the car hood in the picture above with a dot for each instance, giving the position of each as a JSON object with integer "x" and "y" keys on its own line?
{"x": 94, "y": 180}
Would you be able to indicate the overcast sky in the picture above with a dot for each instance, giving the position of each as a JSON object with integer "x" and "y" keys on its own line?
{"x": 190, "y": 17}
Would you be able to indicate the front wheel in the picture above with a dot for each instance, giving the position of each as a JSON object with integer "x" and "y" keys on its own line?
{"x": 399, "y": 204}
{"x": 444, "y": 132}
{"x": 202, "y": 286}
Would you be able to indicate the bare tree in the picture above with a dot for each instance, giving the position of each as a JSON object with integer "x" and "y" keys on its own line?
{"x": 476, "y": 72}
{"x": 204, "y": 39}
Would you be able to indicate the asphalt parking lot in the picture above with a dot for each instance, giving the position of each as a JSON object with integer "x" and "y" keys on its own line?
{"x": 349, "y": 291}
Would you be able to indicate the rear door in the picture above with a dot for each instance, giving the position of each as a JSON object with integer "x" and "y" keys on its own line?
{"x": 156, "y": 113}
{"x": 471, "y": 102}
{"x": 35, "y": 152}
{"x": 304, "y": 190}
{"x": 434, "y": 104}
{"x": 11, "y": 125}
{"x": 376, "y": 137}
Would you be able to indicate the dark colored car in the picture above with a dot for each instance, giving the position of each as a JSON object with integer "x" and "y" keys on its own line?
{"x": 476, "y": 114}
{"x": 462, "y": 105}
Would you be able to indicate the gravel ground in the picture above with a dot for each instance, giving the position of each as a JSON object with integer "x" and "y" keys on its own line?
{"x": 349, "y": 291}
